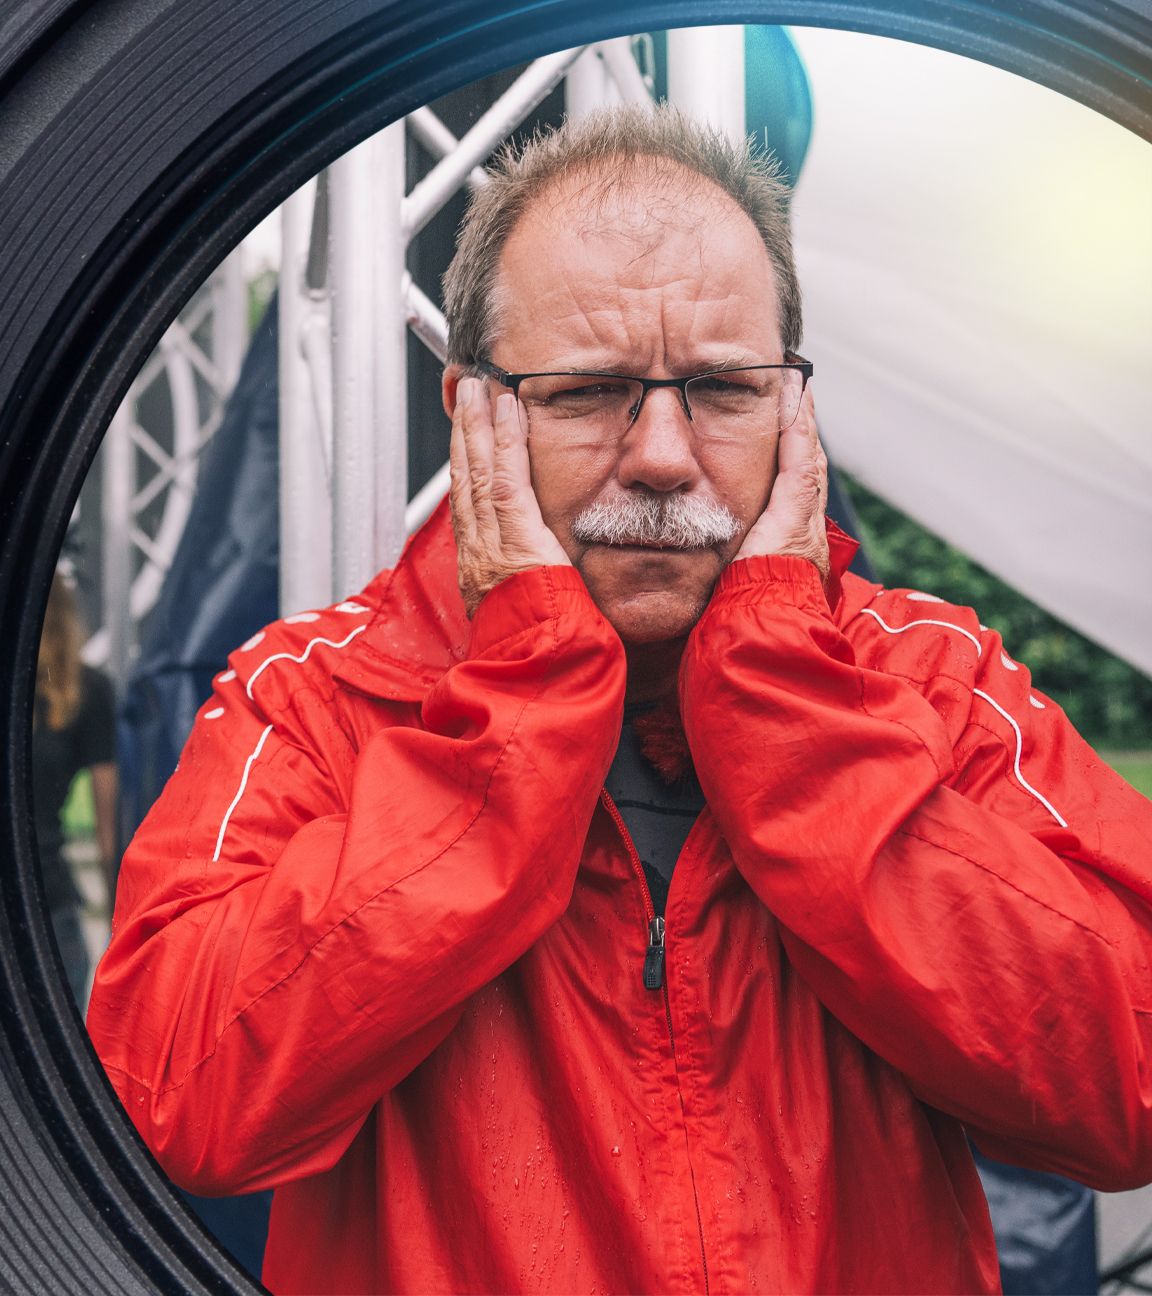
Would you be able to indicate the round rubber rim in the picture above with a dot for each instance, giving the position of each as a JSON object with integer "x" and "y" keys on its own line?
{"x": 139, "y": 140}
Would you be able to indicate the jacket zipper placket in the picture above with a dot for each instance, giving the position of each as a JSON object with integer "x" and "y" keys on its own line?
{"x": 656, "y": 943}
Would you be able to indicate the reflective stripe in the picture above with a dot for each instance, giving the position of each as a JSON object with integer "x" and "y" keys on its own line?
{"x": 946, "y": 624}
{"x": 303, "y": 656}
{"x": 240, "y": 792}
{"x": 1019, "y": 748}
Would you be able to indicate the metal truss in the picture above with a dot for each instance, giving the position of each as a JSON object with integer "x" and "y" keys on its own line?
{"x": 151, "y": 455}
{"x": 346, "y": 304}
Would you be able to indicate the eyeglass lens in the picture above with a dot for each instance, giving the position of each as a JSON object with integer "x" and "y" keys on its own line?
{"x": 734, "y": 405}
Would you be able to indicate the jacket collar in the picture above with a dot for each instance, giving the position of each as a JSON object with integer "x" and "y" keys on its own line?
{"x": 420, "y": 629}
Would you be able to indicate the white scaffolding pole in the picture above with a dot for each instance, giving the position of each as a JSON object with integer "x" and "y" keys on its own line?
{"x": 305, "y": 443}
{"x": 525, "y": 93}
{"x": 706, "y": 75}
{"x": 229, "y": 321}
{"x": 116, "y": 507}
{"x": 605, "y": 74}
{"x": 353, "y": 230}
{"x": 373, "y": 303}
{"x": 148, "y": 488}
{"x": 621, "y": 64}
{"x": 391, "y": 344}
{"x": 589, "y": 84}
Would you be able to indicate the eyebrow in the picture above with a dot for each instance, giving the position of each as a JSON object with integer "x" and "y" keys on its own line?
{"x": 729, "y": 360}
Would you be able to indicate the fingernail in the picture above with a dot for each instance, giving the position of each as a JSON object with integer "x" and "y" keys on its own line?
{"x": 504, "y": 406}
{"x": 465, "y": 391}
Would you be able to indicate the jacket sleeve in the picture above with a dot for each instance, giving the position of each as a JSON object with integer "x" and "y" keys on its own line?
{"x": 969, "y": 896}
{"x": 287, "y": 949}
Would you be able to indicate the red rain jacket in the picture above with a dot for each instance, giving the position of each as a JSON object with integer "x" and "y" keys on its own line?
{"x": 380, "y": 945}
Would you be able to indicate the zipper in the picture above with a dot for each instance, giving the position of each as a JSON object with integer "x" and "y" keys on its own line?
{"x": 654, "y": 958}
{"x": 649, "y": 912}
{"x": 654, "y": 968}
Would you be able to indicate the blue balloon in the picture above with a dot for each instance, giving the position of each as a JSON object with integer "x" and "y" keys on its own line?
{"x": 777, "y": 98}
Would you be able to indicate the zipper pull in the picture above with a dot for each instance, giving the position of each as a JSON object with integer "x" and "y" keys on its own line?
{"x": 654, "y": 958}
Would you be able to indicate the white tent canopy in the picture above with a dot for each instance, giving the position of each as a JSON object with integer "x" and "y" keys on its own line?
{"x": 976, "y": 258}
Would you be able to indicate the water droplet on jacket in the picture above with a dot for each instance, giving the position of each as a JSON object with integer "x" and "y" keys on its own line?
{"x": 516, "y": 1182}
{"x": 615, "y": 1151}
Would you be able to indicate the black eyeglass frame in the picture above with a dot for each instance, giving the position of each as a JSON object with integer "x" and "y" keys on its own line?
{"x": 513, "y": 381}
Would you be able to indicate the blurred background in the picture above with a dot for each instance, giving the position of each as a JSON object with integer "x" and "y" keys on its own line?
{"x": 976, "y": 257}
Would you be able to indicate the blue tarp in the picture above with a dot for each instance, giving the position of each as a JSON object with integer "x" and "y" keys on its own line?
{"x": 223, "y": 585}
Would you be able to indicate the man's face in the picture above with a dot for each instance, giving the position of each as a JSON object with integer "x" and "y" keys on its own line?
{"x": 657, "y": 288}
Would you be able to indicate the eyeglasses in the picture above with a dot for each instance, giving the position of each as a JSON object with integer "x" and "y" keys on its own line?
{"x": 580, "y": 408}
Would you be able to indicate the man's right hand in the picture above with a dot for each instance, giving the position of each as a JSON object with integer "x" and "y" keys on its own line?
{"x": 793, "y": 523}
{"x": 495, "y": 515}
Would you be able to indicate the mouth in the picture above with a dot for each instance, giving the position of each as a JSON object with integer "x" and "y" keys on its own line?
{"x": 650, "y": 546}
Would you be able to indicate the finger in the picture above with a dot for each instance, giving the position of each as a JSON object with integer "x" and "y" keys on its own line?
{"x": 796, "y": 452}
{"x": 460, "y": 490}
{"x": 512, "y": 493}
{"x": 819, "y": 458}
{"x": 822, "y": 467}
{"x": 796, "y": 492}
{"x": 477, "y": 434}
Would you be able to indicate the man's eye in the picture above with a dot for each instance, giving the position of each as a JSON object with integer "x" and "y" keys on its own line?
{"x": 583, "y": 397}
{"x": 590, "y": 391}
{"x": 718, "y": 385}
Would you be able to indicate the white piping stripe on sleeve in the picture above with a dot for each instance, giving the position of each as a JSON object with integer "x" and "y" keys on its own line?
{"x": 303, "y": 656}
{"x": 240, "y": 793}
{"x": 1019, "y": 748}
{"x": 946, "y": 624}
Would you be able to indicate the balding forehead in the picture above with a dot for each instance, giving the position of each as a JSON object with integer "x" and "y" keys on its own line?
{"x": 674, "y": 274}
{"x": 581, "y": 180}
{"x": 621, "y": 195}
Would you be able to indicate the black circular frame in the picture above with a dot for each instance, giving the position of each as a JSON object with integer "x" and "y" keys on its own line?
{"x": 139, "y": 141}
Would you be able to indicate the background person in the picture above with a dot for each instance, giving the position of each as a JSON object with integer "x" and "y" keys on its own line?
{"x": 74, "y": 728}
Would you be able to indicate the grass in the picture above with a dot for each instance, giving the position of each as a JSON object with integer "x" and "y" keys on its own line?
{"x": 1133, "y": 767}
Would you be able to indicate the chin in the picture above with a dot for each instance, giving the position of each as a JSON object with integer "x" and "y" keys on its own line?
{"x": 650, "y": 596}
{"x": 653, "y": 617}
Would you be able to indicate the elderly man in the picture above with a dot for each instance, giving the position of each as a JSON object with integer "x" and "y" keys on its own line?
{"x": 617, "y": 895}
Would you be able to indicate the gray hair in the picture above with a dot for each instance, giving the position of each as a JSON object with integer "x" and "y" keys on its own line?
{"x": 615, "y": 144}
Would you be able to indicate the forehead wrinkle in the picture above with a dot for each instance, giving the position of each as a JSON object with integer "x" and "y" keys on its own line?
{"x": 615, "y": 321}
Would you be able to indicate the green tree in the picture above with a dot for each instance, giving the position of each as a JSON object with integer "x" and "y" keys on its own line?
{"x": 1109, "y": 701}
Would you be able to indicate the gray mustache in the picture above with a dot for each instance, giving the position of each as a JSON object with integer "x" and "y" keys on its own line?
{"x": 674, "y": 521}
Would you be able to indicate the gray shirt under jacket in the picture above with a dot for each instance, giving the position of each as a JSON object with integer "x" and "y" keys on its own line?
{"x": 658, "y": 817}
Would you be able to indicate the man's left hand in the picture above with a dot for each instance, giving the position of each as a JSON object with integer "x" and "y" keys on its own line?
{"x": 495, "y": 514}
{"x": 793, "y": 523}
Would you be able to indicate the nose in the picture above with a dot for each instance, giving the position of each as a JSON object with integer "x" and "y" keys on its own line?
{"x": 658, "y": 450}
